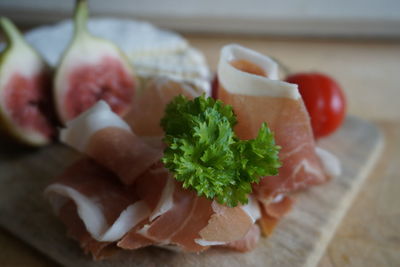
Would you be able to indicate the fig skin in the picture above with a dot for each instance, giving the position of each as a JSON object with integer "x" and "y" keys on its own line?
{"x": 11, "y": 127}
{"x": 90, "y": 54}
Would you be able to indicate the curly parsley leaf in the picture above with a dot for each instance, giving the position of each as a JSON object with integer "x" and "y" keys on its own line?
{"x": 204, "y": 153}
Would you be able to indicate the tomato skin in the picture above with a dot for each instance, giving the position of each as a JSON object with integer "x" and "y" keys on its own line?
{"x": 324, "y": 100}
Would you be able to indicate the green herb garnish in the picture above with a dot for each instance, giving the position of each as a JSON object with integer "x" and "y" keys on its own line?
{"x": 204, "y": 153}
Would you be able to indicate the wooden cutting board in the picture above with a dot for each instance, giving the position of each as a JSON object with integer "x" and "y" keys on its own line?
{"x": 299, "y": 240}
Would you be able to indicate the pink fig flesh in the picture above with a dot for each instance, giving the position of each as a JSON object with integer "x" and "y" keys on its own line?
{"x": 107, "y": 80}
{"x": 28, "y": 102}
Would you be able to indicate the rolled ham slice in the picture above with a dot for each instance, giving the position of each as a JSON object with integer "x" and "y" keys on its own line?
{"x": 76, "y": 230}
{"x": 96, "y": 208}
{"x": 159, "y": 211}
{"x": 273, "y": 211}
{"x": 248, "y": 242}
{"x": 226, "y": 225}
{"x": 149, "y": 105}
{"x": 180, "y": 218}
{"x": 106, "y": 138}
{"x": 189, "y": 222}
{"x": 260, "y": 97}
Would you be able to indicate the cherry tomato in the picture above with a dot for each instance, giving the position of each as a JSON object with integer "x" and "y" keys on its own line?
{"x": 324, "y": 100}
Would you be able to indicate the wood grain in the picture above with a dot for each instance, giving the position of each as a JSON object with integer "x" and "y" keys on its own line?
{"x": 299, "y": 240}
{"x": 370, "y": 233}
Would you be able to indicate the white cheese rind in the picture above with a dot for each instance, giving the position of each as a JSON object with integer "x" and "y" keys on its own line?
{"x": 133, "y": 37}
{"x": 152, "y": 51}
{"x": 240, "y": 82}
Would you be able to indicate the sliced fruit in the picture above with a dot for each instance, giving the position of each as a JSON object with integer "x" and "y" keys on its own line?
{"x": 24, "y": 90}
{"x": 91, "y": 69}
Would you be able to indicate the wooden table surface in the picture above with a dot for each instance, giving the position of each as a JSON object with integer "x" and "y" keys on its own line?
{"x": 369, "y": 72}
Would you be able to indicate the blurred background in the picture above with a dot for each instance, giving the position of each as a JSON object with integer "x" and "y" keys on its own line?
{"x": 348, "y": 18}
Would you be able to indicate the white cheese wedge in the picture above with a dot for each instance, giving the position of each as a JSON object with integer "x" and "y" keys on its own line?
{"x": 152, "y": 51}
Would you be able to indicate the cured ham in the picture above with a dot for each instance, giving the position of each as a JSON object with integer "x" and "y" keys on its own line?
{"x": 273, "y": 211}
{"x": 249, "y": 82}
{"x": 105, "y": 137}
{"x": 170, "y": 226}
{"x": 223, "y": 228}
{"x": 95, "y": 206}
{"x": 124, "y": 197}
{"x": 152, "y": 210}
{"x": 148, "y": 108}
{"x": 76, "y": 230}
{"x": 248, "y": 242}
{"x": 190, "y": 222}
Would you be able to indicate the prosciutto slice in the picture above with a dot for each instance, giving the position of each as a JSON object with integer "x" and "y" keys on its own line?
{"x": 97, "y": 209}
{"x": 100, "y": 212}
{"x": 124, "y": 197}
{"x": 105, "y": 137}
{"x": 273, "y": 211}
{"x": 149, "y": 106}
{"x": 191, "y": 223}
{"x": 248, "y": 242}
{"x": 249, "y": 82}
{"x": 76, "y": 230}
{"x": 153, "y": 209}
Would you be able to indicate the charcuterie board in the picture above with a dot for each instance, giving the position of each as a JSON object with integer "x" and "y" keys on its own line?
{"x": 299, "y": 239}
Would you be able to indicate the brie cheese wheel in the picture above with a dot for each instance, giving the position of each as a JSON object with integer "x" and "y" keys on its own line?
{"x": 152, "y": 51}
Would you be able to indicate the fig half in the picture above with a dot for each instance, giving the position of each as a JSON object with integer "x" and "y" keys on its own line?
{"x": 91, "y": 69}
{"x": 25, "y": 82}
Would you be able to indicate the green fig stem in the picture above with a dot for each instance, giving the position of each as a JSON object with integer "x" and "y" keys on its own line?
{"x": 80, "y": 17}
{"x": 13, "y": 36}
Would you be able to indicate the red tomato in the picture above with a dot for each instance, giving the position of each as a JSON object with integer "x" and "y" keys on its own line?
{"x": 324, "y": 100}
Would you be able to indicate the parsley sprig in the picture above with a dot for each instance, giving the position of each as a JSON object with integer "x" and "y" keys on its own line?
{"x": 204, "y": 153}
